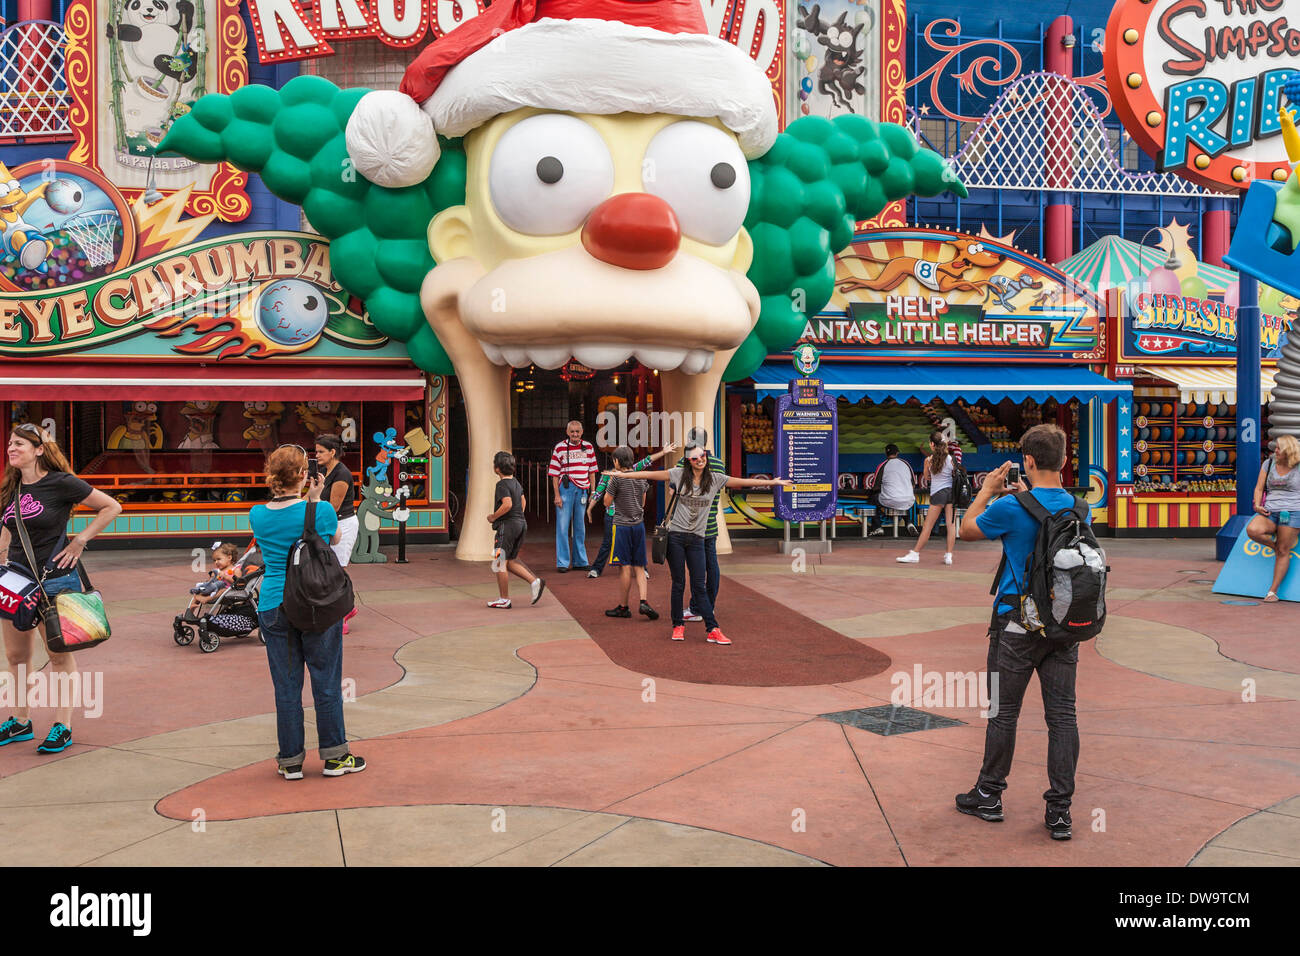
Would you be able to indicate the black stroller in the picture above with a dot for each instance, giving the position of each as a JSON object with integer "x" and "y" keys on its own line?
{"x": 232, "y": 613}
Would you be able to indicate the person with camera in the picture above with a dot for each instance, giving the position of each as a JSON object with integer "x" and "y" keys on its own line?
{"x": 339, "y": 490}
{"x": 40, "y": 489}
{"x": 572, "y": 472}
{"x": 277, "y": 526}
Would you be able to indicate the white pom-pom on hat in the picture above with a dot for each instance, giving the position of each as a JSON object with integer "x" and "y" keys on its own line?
{"x": 391, "y": 140}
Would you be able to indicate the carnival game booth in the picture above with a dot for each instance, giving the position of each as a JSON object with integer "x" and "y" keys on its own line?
{"x": 931, "y": 329}
{"x": 1176, "y": 460}
{"x": 171, "y": 402}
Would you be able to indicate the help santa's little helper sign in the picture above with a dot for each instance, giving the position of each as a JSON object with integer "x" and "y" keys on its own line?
{"x": 1198, "y": 84}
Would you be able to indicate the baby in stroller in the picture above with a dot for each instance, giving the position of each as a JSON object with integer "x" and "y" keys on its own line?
{"x": 225, "y": 605}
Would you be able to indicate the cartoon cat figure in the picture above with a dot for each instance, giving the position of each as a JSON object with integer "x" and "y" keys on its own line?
{"x": 840, "y": 76}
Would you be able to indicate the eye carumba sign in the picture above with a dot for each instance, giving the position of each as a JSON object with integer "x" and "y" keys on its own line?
{"x": 1198, "y": 84}
{"x": 304, "y": 29}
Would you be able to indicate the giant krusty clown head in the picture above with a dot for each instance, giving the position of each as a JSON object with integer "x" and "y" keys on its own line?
{"x": 556, "y": 179}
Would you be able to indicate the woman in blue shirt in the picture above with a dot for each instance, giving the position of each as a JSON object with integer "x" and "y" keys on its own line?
{"x": 277, "y": 525}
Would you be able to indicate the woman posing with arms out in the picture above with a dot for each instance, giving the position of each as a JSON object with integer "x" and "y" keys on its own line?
{"x": 1277, "y": 508}
{"x": 938, "y": 475}
{"x": 39, "y": 480}
{"x": 277, "y": 526}
{"x": 696, "y": 492}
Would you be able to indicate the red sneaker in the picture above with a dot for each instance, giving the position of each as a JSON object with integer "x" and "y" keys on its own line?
{"x": 717, "y": 637}
{"x": 679, "y": 633}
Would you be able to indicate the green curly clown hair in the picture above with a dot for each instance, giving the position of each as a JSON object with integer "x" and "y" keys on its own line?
{"x": 808, "y": 192}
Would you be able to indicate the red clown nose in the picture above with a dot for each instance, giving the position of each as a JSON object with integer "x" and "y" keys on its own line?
{"x": 633, "y": 231}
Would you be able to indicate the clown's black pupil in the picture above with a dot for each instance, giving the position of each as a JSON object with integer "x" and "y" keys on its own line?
{"x": 549, "y": 169}
{"x": 723, "y": 175}
{"x": 310, "y": 304}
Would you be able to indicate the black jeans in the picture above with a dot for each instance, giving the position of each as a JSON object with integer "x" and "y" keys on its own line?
{"x": 686, "y": 552}
{"x": 602, "y": 556}
{"x": 712, "y": 573}
{"x": 1014, "y": 658}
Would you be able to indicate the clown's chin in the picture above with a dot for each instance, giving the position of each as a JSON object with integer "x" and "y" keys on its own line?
{"x": 550, "y": 308}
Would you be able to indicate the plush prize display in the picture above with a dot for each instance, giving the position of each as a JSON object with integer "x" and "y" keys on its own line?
{"x": 609, "y": 168}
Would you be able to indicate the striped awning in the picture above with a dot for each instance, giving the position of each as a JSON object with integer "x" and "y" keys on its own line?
{"x": 1208, "y": 383}
{"x": 1112, "y": 261}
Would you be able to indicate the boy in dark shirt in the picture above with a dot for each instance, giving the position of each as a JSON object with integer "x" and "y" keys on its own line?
{"x": 509, "y": 523}
{"x": 627, "y": 544}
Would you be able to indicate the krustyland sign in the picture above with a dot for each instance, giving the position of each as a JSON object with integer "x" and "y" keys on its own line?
{"x": 255, "y": 296}
{"x": 936, "y": 295}
{"x": 1198, "y": 83}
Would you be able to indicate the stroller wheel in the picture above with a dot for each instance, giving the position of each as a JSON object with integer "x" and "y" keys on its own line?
{"x": 208, "y": 642}
{"x": 181, "y": 634}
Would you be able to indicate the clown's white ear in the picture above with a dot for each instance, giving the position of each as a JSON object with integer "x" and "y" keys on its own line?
{"x": 390, "y": 140}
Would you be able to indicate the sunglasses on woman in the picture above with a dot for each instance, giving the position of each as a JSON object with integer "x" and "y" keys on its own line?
{"x": 26, "y": 428}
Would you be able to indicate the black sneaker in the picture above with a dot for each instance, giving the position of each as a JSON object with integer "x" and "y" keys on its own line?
{"x": 648, "y": 611}
{"x": 290, "y": 773}
{"x": 60, "y": 738}
{"x": 986, "y": 806}
{"x": 1058, "y": 821}
{"x": 12, "y": 730}
{"x": 620, "y": 611}
{"x": 348, "y": 763}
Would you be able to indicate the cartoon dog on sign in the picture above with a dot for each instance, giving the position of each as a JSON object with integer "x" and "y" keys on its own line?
{"x": 943, "y": 277}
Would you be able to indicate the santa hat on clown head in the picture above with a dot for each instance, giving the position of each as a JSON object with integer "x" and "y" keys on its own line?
{"x": 579, "y": 56}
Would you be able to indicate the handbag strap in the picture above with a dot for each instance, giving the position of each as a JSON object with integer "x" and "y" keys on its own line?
{"x": 22, "y": 536}
{"x": 672, "y": 505}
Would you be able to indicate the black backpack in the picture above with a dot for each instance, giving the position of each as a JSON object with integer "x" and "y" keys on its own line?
{"x": 1063, "y": 585}
{"x": 317, "y": 591}
{"x": 962, "y": 489}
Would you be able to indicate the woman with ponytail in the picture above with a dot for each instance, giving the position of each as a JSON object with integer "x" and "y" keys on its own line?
{"x": 938, "y": 475}
{"x": 39, "y": 481}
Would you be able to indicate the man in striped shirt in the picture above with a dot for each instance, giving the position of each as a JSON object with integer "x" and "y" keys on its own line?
{"x": 572, "y": 472}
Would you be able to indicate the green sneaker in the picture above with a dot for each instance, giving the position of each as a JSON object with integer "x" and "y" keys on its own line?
{"x": 348, "y": 763}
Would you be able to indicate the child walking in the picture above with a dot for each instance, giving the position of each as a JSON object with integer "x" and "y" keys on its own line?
{"x": 627, "y": 541}
{"x": 509, "y": 524}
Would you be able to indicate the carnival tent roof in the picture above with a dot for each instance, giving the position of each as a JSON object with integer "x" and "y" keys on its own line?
{"x": 1112, "y": 260}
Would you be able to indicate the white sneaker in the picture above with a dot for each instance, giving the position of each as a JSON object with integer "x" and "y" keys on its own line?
{"x": 499, "y": 603}
{"x": 689, "y": 615}
{"x": 947, "y": 558}
{"x": 910, "y": 558}
{"x": 593, "y": 573}
{"x": 536, "y": 588}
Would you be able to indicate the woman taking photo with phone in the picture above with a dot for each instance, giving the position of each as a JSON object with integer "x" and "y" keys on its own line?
{"x": 40, "y": 488}
{"x": 696, "y": 491}
{"x": 277, "y": 526}
{"x": 1277, "y": 508}
{"x": 938, "y": 475}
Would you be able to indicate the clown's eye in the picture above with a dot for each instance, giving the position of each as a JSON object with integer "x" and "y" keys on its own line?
{"x": 700, "y": 171}
{"x": 548, "y": 173}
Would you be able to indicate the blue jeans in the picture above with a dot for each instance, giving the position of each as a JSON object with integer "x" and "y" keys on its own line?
{"x": 686, "y": 552}
{"x": 287, "y": 650}
{"x": 570, "y": 514}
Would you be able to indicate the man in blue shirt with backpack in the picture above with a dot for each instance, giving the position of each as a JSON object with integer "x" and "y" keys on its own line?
{"x": 1015, "y": 652}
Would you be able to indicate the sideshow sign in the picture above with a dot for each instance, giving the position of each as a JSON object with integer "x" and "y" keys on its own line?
{"x": 943, "y": 296}
{"x": 257, "y": 296}
{"x": 133, "y": 68}
{"x": 807, "y": 450}
{"x": 1198, "y": 84}
{"x": 1160, "y": 328}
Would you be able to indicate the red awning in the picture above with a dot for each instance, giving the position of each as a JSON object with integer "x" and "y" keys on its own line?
{"x": 132, "y": 381}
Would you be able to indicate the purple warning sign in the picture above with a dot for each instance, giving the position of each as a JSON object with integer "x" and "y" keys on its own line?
{"x": 807, "y": 453}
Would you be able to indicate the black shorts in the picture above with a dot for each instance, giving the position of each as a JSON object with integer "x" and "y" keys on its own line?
{"x": 510, "y": 535}
{"x": 941, "y": 497}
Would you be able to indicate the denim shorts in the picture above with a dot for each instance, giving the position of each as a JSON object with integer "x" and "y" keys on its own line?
{"x": 66, "y": 581}
{"x": 1292, "y": 522}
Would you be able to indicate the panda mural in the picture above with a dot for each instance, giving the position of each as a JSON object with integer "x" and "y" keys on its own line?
{"x": 157, "y": 56}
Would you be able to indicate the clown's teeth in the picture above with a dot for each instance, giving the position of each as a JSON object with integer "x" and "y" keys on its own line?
{"x": 516, "y": 357}
{"x": 602, "y": 356}
{"x": 664, "y": 359}
{"x": 697, "y": 361}
{"x": 493, "y": 353}
{"x": 549, "y": 358}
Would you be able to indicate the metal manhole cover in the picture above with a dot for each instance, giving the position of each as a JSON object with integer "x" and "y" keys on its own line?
{"x": 1200, "y": 571}
{"x": 888, "y": 720}
{"x": 1202, "y": 580}
{"x": 1241, "y": 603}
